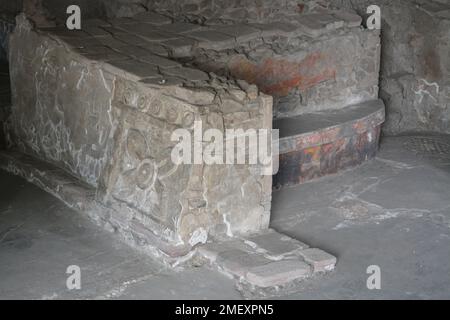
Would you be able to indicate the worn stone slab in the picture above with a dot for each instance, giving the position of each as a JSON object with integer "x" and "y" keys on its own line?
{"x": 311, "y": 25}
{"x": 108, "y": 55}
{"x": 358, "y": 115}
{"x": 63, "y": 32}
{"x": 130, "y": 39}
{"x": 239, "y": 262}
{"x": 120, "y": 21}
{"x": 211, "y": 250}
{"x": 274, "y": 243}
{"x": 137, "y": 68}
{"x": 240, "y": 32}
{"x": 276, "y": 28}
{"x": 163, "y": 80}
{"x": 133, "y": 51}
{"x": 152, "y": 18}
{"x": 278, "y": 273}
{"x": 351, "y": 20}
{"x": 77, "y": 43}
{"x": 186, "y": 73}
{"x": 266, "y": 259}
{"x": 111, "y": 42}
{"x": 181, "y": 47}
{"x": 155, "y": 48}
{"x": 94, "y": 23}
{"x": 147, "y": 32}
{"x": 159, "y": 61}
{"x": 320, "y": 260}
{"x": 114, "y": 30}
{"x": 95, "y": 31}
{"x": 210, "y": 39}
{"x": 180, "y": 27}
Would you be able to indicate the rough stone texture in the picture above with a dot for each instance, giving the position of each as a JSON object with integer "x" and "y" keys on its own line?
{"x": 109, "y": 125}
{"x": 414, "y": 73}
{"x": 416, "y": 58}
{"x": 266, "y": 259}
{"x": 274, "y": 244}
{"x": 278, "y": 273}
{"x": 308, "y": 63}
{"x": 318, "y": 144}
{"x": 320, "y": 260}
{"x": 107, "y": 99}
{"x": 308, "y": 58}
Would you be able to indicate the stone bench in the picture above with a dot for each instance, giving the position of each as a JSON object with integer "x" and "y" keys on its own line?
{"x": 316, "y": 144}
{"x": 105, "y": 101}
{"x": 106, "y": 117}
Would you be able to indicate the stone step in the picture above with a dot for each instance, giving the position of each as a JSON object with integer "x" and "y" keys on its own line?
{"x": 317, "y": 144}
{"x": 267, "y": 259}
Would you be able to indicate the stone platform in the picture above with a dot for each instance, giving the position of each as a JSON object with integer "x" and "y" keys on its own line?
{"x": 317, "y": 144}
{"x": 107, "y": 99}
{"x": 110, "y": 124}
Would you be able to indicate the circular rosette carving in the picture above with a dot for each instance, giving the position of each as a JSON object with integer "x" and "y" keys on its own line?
{"x": 138, "y": 167}
{"x": 137, "y": 147}
{"x": 145, "y": 174}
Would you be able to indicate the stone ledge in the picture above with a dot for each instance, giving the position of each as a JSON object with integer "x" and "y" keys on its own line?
{"x": 267, "y": 259}
{"x": 82, "y": 198}
{"x": 318, "y": 144}
{"x": 313, "y": 129}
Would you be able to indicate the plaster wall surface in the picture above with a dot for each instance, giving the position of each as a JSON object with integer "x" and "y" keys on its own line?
{"x": 415, "y": 69}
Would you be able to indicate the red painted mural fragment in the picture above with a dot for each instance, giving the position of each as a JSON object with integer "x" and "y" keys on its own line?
{"x": 280, "y": 76}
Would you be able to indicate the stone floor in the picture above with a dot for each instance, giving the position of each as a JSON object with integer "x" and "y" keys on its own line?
{"x": 393, "y": 211}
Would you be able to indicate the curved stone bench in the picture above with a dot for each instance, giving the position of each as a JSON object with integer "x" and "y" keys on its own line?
{"x": 317, "y": 144}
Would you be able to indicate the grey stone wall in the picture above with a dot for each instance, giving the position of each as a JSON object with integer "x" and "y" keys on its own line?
{"x": 415, "y": 72}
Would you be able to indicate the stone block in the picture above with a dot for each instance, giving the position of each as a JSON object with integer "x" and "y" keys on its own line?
{"x": 275, "y": 244}
{"x": 180, "y": 27}
{"x": 212, "y": 250}
{"x": 241, "y": 32}
{"x": 159, "y": 61}
{"x": 311, "y": 26}
{"x": 210, "y": 39}
{"x": 147, "y": 32}
{"x": 95, "y": 31}
{"x": 277, "y": 28}
{"x": 152, "y": 18}
{"x": 278, "y": 273}
{"x": 181, "y": 47}
{"x": 155, "y": 48}
{"x": 137, "y": 68}
{"x": 186, "y": 73}
{"x": 111, "y": 42}
{"x": 320, "y": 260}
{"x": 239, "y": 262}
{"x": 351, "y": 20}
